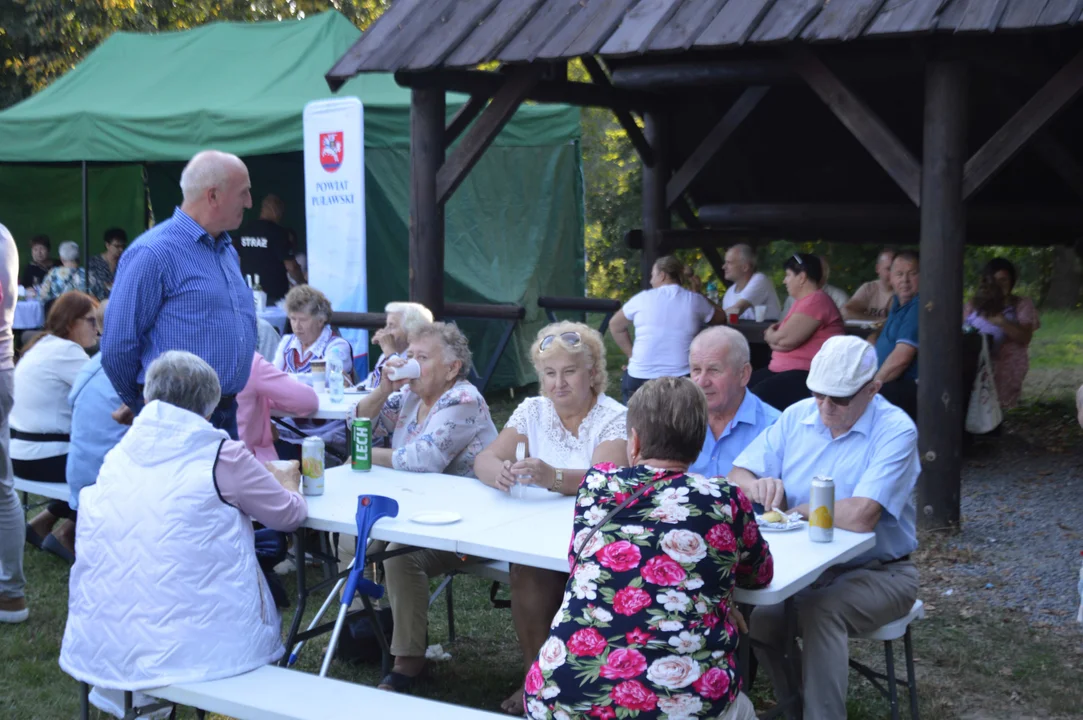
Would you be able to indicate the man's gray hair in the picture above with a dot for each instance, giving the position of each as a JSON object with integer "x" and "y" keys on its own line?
{"x": 414, "y": 315}
{"x": 185, "y": 380}
{"x": 455, "y": 344}
{"x": 736, "y": 344}
{"x": 747, "y": 254}
{"x": 207, "y": 169}
{"x": 69, "y": 251}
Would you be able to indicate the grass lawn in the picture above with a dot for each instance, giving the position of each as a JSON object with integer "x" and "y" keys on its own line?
{"x": 973, "y": 661}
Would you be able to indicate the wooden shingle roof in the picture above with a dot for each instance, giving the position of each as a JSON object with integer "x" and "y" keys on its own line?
{"x": 428, "y": 34}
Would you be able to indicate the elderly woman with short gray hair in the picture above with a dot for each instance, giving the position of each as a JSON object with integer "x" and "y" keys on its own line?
{"x": 166, "y": 564}
{"x": 69, "y": 276}
{"x": 309, "y": 312}
{"x": 437, "y": 422}
{"x": 403, "y": 318}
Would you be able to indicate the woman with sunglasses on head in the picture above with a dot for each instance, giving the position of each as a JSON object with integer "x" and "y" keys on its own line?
{"x": 796, "y": 339}
{"x": 572, "y": 426}
{"x": 666, "y": 319}
{"x": 41, "y": 416}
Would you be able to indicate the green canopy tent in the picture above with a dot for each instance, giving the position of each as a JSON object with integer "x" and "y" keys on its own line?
{"x": 118, "y": 128}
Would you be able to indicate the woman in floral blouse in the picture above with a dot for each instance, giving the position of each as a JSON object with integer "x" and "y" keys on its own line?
{"x": 436, "y": 423}
{"x": 68, "y": 276}
{"x": 644, "y": 628}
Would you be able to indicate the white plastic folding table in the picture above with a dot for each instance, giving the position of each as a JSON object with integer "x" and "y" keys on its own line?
{"x": 534, "y": 529}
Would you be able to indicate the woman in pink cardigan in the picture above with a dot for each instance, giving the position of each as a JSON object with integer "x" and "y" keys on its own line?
{"x": 269, "y": 389}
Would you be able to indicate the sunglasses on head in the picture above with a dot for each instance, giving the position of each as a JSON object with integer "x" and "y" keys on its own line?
{"x": 840, "y": 401}
{"x": 570, "y": 338}
{"x": 798, "y": 259}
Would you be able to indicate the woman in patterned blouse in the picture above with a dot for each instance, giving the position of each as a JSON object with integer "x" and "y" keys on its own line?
{"x": 437, "y": 423}
{"x": 644, "y": 626}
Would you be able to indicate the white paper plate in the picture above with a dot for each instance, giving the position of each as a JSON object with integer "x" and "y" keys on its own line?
{"x": 436, "y": 517}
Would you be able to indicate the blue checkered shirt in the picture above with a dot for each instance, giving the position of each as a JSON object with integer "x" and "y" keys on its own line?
{"x": 177, "y": 288}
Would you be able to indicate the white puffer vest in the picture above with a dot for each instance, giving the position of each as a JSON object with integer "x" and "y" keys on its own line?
{"x": 166, "y": 587}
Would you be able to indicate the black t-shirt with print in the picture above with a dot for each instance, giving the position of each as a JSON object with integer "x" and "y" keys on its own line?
{"x": 264, "y": 246}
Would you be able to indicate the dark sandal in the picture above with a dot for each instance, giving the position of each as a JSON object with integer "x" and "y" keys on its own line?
{"x": 53, "y": 545}
{"x": 399, "y": 682}
{"x": 33, "y": 538}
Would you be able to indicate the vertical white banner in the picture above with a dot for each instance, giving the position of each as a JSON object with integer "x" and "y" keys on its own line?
{"x": 334, "y": 133}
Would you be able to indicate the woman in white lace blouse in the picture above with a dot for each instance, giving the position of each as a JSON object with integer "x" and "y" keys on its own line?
{"x": 571, "y": 427}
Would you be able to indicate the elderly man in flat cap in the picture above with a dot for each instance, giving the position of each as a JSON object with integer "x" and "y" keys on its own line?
{"x": 869, "y": 447}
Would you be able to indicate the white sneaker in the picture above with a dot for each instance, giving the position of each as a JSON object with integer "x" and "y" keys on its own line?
{"x": 13, "y": 610}
{"x": 112, "y": 702}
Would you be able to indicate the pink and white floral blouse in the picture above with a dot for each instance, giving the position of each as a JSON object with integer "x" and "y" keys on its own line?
{"x": 643, "y": 630}
{"x": 457, "y": 428}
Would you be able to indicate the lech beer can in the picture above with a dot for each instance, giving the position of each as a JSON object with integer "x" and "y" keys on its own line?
{"x": 821, "y": 516}
{"x": 361, "y": 447}
{"x": 312, "y": 466}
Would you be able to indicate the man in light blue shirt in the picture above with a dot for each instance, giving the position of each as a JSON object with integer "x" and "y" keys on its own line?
{"x": 847, "y": 431}
{"x": 718, "y": 358}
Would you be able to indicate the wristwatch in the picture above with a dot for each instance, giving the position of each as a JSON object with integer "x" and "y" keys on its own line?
{"x": 558, "y": 484}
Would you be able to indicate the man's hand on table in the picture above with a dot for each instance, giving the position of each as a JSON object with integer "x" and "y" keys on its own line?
{"x": 289, "y": 478}
{"x": 766, "y": 491}
{"x": 124, "y": 415}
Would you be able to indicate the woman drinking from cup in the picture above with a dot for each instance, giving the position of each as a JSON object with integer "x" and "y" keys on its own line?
{"x": 436, "y": 422}
{"x": 571, "y": 427}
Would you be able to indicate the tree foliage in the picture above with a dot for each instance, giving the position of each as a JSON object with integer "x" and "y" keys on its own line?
{"x": 42, "y": 39}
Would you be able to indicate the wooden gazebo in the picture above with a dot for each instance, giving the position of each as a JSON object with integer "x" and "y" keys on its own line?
{"x": 879, "y": 121}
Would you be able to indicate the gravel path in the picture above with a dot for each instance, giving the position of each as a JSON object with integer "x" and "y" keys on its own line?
{"x": 1022, "y": 538}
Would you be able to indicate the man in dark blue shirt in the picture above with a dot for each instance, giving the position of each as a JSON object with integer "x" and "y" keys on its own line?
{"x": 179, "y": 287}
{"x": 897, "y": 344}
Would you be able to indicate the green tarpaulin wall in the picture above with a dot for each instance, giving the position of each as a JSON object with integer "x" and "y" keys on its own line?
{"x": 149, "y": 102}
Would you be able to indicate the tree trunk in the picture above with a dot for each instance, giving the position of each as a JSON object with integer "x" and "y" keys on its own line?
{"x": 1066, "y": 279}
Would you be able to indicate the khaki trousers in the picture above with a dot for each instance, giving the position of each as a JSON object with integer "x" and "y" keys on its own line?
{"x": 406, "y": 578}
{"x": 839, "y": 604}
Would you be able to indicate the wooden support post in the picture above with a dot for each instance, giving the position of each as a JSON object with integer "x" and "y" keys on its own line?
{"x": 655, "y": 209}
{"x": 713, "y": 142}
{"x": 941, "y": 393}
{"x": 1032, "y": 117}
{"x": 865, "y": 125}
{"x": 492, "y": 120}
{"x": 427, "y": 109}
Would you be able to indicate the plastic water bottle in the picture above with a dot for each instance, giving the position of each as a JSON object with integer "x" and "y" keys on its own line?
{"x": 336, "y": 384}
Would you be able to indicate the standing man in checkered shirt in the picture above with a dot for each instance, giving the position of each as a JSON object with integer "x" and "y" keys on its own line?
{"x": 179, "y": 287}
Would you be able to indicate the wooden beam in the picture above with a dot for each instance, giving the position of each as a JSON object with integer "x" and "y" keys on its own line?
{"x": 704, "y": 74}
{"x": 466, "y": 115}
{"x": 710, "y": 145}
{"x": 1059, "y": 158}
{"x": 941, "y": 395}
{"x": 427, "y": 108}
{"x": 865, "y": 125}
{"x": 489, "y": 124}
{"x": 488, "y": 83}
{"x": 655, "y": 211}
{"x": 624, "y": 117}
{"x": 1021, "y": 127}
{"x": 716, "y": 261}
{"x": 984, "y": 233}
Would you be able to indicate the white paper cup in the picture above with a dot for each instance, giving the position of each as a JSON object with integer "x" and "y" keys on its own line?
{"x": 318, "y": 382}
{"x": 409, "y": 371}
{"x": 761, "y": 313}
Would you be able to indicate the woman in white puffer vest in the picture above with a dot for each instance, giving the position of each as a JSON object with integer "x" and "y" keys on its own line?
{"x": 166, "y": 587}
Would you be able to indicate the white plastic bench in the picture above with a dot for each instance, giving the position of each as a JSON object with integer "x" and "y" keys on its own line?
{"x": 274, "y": 693}
{"x": 54, "y": 491}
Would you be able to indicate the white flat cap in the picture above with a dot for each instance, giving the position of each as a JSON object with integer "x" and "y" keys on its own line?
{"x": 843, "y": 366}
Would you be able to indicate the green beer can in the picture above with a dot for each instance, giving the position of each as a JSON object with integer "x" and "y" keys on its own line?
{"x": 361, "y": 450}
